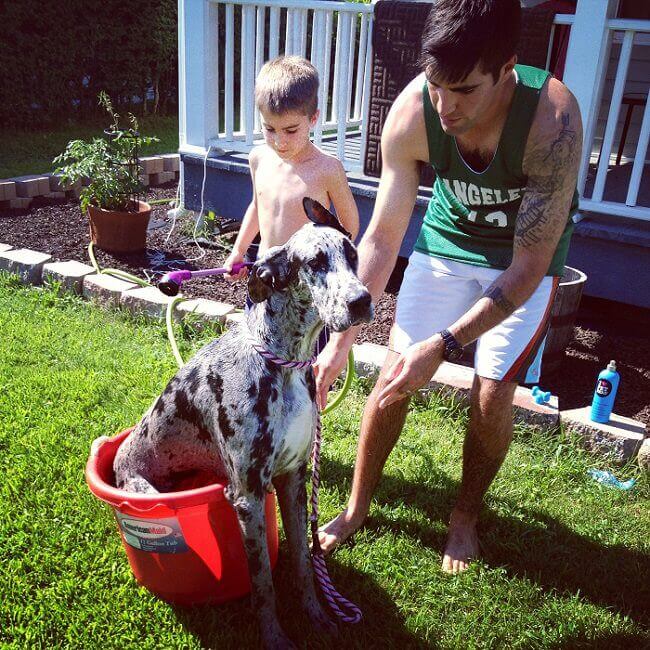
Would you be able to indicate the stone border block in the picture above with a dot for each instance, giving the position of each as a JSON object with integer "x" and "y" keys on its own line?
{"x": 20, "y": 203}
{"x": 26, "y": 263}
{"x": 160, "y": 178}
{"x": 152, "y": 164}
{"x": 619, "y": 439}
{"x": 148, "y": 301}
{"x": 5, "y": 247}
{"x": 206, "y": 310}
{"x": 234, "y": 318}
{"x": 57, "y": 186}
{"x": 643, "y": 458}
{"x": 105, "y": 289}
{"x": 32, "y": 185}
{"x": 172, "y": 162}
{"x": 70, "y": 274}
{"x": 7, "y": 190}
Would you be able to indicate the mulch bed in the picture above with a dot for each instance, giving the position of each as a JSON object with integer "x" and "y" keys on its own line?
{"x": 603, "y": 330}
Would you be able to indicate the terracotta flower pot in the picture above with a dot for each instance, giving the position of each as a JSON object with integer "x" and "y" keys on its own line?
{"x": 119, "y": 232}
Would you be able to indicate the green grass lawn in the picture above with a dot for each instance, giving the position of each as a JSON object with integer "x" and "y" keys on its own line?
{"x": 566, "y": 560}
{"x": 31, "y": 152}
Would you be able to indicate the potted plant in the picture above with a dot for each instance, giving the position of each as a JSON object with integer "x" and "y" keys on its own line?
{"x": 111, "y": 168}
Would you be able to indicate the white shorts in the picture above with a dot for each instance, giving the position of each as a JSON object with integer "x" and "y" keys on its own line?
{"x": 436, "y": 292}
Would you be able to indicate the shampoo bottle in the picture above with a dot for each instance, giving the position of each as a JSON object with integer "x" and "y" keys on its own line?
{"x": 605, "y": 393}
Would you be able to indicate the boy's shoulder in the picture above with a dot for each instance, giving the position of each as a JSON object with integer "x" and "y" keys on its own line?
{"x": 330, "y": 164}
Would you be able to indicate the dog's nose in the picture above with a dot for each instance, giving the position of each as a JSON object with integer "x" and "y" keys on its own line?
{"x": 359, "y": 307}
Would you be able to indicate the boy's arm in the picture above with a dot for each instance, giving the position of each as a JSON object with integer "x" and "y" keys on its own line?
{"x": 249, "y": 228}
{"x": 342, "y": 199}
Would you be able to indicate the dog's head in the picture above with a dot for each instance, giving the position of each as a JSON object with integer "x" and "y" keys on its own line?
{"x": 321, "y": 260}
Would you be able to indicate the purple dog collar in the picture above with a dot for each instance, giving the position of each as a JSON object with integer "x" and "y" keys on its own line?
{"x": 285, "y": 363}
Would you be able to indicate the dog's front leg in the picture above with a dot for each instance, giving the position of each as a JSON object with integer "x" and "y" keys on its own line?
{"x": 290, "y": 488}
{"x": 250, "y": 513}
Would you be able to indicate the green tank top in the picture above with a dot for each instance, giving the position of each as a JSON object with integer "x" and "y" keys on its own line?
{"x": 471, "y": 216}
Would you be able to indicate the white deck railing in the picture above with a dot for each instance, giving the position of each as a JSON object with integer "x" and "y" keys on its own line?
{"x": 586, "y": 77}
{"x": 237, "y": 36}
{"x": 335, "y": 36}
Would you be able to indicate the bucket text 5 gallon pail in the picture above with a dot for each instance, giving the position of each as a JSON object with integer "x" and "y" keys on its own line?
{"x": 186, "y": 546}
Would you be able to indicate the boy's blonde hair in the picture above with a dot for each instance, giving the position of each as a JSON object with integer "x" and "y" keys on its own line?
{"x": 288, "y": 83}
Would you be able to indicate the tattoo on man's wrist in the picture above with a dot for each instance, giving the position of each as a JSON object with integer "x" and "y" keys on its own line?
{"x": 500, "y": 300}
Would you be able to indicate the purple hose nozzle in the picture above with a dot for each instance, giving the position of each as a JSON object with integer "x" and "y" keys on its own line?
{"x": 170, "y": 283}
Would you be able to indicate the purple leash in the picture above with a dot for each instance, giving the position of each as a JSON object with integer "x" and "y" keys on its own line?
{"x": 334, "y": 599}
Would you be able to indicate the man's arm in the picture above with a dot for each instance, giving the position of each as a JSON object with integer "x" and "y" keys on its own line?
{"x": 551, "y": 163}
{"x": 402, "y": 142}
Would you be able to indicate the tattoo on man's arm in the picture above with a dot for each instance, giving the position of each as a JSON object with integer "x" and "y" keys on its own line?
{"x": 500, "y": 300}
{"x": 545, "y": 205}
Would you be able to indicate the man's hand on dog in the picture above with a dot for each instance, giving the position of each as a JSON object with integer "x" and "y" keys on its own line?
{"x": 412, "y": 370}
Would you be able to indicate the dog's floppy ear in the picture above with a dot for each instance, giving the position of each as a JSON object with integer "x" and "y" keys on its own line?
{"x": 272, "y": 273}
{"x": 321, "y": 216}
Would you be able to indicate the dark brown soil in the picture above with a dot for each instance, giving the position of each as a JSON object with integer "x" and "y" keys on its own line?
{"x": 603, "y": 330}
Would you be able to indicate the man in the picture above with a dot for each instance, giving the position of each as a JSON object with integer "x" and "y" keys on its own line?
{"x": 505, "y": 143}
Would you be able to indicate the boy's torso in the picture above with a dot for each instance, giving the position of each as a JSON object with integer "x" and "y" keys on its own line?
{"x": 280, "y": 188}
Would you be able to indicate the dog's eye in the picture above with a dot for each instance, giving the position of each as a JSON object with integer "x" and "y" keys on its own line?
{"x": 316, "y": 265}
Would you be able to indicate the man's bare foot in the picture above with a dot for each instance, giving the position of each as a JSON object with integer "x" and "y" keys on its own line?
{"x": 462, "y": 543}
{"x": 338, "y": 530}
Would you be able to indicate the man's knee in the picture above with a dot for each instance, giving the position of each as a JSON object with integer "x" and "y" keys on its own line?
{"x": 491, "y": 402}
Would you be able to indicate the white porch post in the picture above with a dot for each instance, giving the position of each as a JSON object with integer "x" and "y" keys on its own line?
{"x": 197, "y": 71}
{"x": 587, "y": 57}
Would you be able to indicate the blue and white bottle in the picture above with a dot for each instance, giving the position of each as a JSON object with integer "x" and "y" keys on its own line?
{"x": 605, "y": 393}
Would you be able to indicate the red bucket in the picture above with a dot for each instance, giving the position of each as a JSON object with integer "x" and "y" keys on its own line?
{"x": 186, "y": 546}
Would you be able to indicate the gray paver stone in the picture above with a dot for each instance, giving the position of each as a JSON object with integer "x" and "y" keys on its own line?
{"x": 152, "y": 164}
{"x": 206, "y": 310}
{"x": 619, "y": 439}
{"x": 70, "y": 274}
{"x": 147, "y": 301}
{"x": 234, "y": 318}
{"x": 171, "y": 162}
{"x": 644, "y": 455}
{"x": 24, "y": 262}
{"x": 7, "y": 190}
{"x": 32, "y": 185}
{"x": 105, "y": 289}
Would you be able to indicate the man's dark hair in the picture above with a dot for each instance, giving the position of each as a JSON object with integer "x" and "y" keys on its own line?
{"x": 459, "y": 34}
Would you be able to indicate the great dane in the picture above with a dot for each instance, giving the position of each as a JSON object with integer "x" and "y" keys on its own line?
{"x": 235, "y": 413}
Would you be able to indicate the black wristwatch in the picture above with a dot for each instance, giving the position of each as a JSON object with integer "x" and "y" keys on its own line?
{"x": 453, "y": 349}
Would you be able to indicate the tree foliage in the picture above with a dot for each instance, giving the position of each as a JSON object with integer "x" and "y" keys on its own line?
{"x": 56, "y": 57}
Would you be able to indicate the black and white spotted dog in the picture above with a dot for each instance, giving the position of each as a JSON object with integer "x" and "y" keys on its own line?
{"x": 233, "y": 412}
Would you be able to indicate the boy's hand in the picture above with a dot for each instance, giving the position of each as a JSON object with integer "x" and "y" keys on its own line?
{"x": 235, "y": 258}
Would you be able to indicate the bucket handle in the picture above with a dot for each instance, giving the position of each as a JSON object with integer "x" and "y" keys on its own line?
{"x": 97, "y": 444}
{"x": 128, "y": 504}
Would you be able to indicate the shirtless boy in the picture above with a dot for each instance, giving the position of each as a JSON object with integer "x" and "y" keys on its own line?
{"x": 289, "y": 167}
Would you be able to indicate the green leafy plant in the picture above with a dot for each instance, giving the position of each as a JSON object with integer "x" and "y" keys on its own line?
{"x": 110, "y": 163}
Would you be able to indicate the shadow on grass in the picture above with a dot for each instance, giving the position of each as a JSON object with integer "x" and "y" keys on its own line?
{"x": 532, "y": 546}
{"x": 234, "y": 625}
